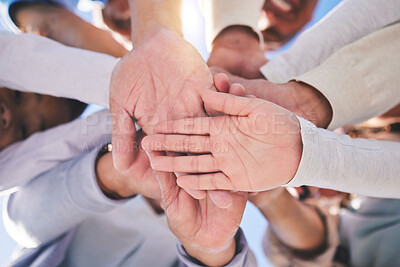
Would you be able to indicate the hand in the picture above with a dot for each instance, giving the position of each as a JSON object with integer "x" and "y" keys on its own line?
{"x": 138, "y": 179}
{"x": 283, "y": 19}
{"x": 300, "y": 98}
{"x": 160, "y": 79}
{"x": 257, "y": 147}
{"x": 205, "y": 231}
{"x": 237, "y": 49}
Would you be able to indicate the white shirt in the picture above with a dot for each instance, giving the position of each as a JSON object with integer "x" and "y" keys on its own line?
{"x": 83, "y": 75}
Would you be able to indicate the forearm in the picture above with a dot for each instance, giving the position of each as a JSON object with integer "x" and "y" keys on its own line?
{"x": 211, "y": 257}
{"x": 296, "y": 224}
{"x": 55, "y": 202}
{"x": 242, "y": 255}
{"x": 350, "y": 21}
{"x": 361, "y": 166}
{"x": 148, "y": 16}
{"x": 360, "y": 80}
{"x": 221, "y": 14}
{"x": 63, "y": 26}
{"x": 62, "y": 80}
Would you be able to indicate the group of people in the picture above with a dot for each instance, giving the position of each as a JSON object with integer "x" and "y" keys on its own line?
{"x": 161, "y": 176}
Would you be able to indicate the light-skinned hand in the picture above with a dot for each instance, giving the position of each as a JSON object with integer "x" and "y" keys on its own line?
{"x": 237, "y": 49}
{"x": 152, "y": 85}
{"x": 254, "y": 147}
{"x": 205, "y": 230}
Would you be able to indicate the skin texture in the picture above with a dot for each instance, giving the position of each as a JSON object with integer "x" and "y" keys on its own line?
{"x": 23, "y": 114}
{"x": 117, "y": 16}
{"x": 295, "y": 223}
{"x": 253, "y": 138}
{"x": 138, "y": 179}
{"x": 237, "y": 49}
{"x": 148, "y": 85}
{"x": 205, "y": 230}
{"x": 284, "y": 19}
{"x": 62, "y": 25}
{"x": 300, "y": 98}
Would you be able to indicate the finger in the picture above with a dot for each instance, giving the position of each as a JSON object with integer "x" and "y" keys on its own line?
{"x": 177, "y": 143}
{"x": 166, "y": 181}
{"x": 123, "y": 138}
{"x": 185, "y": 164}
{"x": 237, "y": 89}
{"x": 221, "y": 199}
{"x": 199, "y": 125}
{"x": 209, "y": 181}
{"x": 229, "y": 104}
{"x": 221, "y": 82}
{"x": 196, "y": 194}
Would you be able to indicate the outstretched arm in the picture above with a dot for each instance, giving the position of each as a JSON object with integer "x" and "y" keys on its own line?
{"x": 259, "y": 138}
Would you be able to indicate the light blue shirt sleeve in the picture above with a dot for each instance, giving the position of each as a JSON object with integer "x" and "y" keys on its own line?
{"x": 55, "y": 202}
{"x": 243, "y": 256}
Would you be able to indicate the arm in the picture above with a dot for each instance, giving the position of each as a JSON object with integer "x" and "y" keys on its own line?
{"x": 84, "y": 75}
{"x": 60, "y": 24}
{"x": 72, "y": 192}
{"x": 330, "y": 95}
{"x": 348, "y": 22}
{"x": 222, "y": 14}
{"x": 265, "y": 139}
{"x": 297, "y": 225}
{"x": 242, "y": 258}
{"x": 232, "y": 33}
{"x": 44, "y": 150}
{"x": 161, "y": 78}
{"x": 55, "y": 202}
{"x": 365, "y": 72}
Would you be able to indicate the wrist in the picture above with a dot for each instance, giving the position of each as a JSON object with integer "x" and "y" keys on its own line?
{"x": 266, "y": 198}
{"x": 213, "y": 256}
{"x": 311, "y": 104}
{"x": 149, "y": 17}
{"x": 108, "y": 178}
{"x": 237, "y": 37}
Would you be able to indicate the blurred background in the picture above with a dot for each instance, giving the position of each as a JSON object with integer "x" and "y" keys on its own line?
{"x": 253, "y": 222}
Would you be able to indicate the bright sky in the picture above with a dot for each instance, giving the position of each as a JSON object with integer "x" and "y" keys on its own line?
{"x": 253, "y": 223}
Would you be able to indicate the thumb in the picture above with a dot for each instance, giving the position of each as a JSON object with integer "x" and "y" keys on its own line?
{"x": 123, "y": 138}
{"x": 229, "y": 104}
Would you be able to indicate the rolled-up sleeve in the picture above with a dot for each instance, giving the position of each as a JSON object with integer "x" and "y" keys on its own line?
{"x": 220, "y": 14}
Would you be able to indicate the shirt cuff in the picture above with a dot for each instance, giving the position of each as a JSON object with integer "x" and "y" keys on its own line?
{"x": 221, "y": 14}
{"x": 308, "y": 132}
{"x": 89, "y": 196}
{"x": 239, "y": 260}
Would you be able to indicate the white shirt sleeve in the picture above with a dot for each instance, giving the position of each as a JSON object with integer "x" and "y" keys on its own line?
{"x": 362, "y": 166}
{"x": 362, "y": 79}
{"x": 55, "y": 202}
{"x": 348, "y": 22}
{"x": 42, "y": 151}
{"x": 220, "y": 14}
{"x": 33, "y": 63}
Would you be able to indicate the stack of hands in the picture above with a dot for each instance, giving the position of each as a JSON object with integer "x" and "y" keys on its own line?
{"x": 211, "y": 136}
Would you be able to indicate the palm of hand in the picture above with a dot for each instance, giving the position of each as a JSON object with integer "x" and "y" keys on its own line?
{"x": 159, "y": 80}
